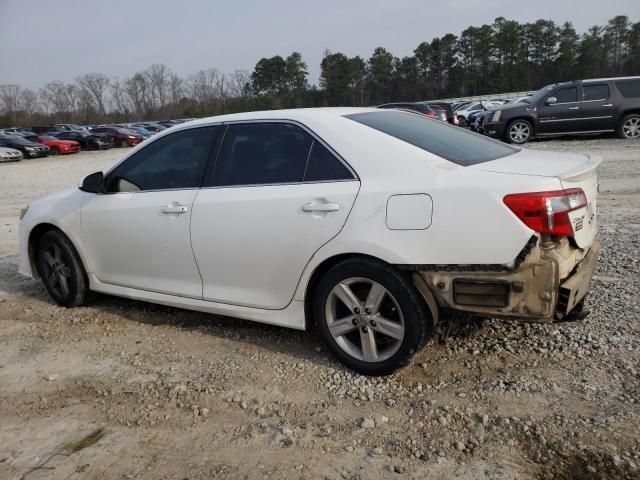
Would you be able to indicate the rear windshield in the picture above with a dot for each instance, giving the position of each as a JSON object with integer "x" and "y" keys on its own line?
{"x": 451, "y": 143}
{"x": 629, "y": 88}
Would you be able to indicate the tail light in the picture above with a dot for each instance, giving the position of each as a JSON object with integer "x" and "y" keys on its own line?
{"x": 547, "y": 212}
{"x": 430, "y": 114}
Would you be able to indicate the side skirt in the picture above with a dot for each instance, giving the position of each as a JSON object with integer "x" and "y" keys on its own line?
{"x": 290, "y": 317}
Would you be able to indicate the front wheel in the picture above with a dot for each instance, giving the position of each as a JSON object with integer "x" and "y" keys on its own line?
{"x": 124, "y": 144}
{"x": 61, "y": 270}
{"x": 54, "y": 151}
{"x": 519, "y": 131}
{"x": 629, "y": 127}
{"x": 370, "y": 316}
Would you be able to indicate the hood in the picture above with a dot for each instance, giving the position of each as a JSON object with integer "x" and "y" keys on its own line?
{"x": 513, "y": 106}
{"x": 542, "y": 164}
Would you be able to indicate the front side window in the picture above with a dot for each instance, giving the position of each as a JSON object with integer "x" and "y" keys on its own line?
{"x": 451, "y": 143}
{"x": 262, "y": 153}
{"x": 176, "y": 161}
{"x": 566, "y": 95}
{"x": 595, "y": 92}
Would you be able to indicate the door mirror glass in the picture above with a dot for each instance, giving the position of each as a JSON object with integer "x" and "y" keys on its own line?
{"x": 92, "y": 183}
{"x": 551, "y": 100}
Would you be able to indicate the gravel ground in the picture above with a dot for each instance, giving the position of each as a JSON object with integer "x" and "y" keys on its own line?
{"x": 123, "y": 389}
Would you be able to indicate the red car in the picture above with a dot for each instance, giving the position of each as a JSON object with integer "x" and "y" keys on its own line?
{"x": 120, "y": 136}
{"x": 57, "y": 146}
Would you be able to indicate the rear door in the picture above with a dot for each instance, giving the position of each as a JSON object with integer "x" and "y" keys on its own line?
{"x": 597, "y": 108}
{"x": 561, "y": 115}
{"x": 275, "y": 196}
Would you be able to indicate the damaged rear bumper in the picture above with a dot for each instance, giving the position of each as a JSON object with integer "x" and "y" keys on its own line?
{"x": 547, "y": 281}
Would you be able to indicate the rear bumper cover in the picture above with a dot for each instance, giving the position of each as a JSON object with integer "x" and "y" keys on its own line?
{"x": 547, "y": 284}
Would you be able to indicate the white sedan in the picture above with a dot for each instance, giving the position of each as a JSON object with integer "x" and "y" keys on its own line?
{"x": 371, "y": 225}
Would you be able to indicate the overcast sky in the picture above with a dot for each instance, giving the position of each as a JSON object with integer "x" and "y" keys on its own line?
{"x": 42, "y": 40}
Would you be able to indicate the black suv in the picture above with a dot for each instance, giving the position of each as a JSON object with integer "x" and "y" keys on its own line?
{"x": 583, "y": 106}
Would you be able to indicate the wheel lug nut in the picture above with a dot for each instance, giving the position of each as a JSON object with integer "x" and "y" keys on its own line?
{"x": 365, "y": 329}
{"x": 356, "y": 310}
{"x": 372, "y": 323}
{"x": 367, "y": 311}
{"x": 354, "y": 321}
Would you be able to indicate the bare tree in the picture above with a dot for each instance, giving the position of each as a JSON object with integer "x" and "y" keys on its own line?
{"x": 29, "y": 102}
{"x": 119, "y": 100}
{"x": 239, "y": 83}
{"x": 158, "y": 75}
{"x": 9, "y": 98}
{"x": 96, "y": 84}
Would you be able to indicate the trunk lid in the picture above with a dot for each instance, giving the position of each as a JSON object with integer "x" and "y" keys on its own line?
{"x": 571, "y": 169}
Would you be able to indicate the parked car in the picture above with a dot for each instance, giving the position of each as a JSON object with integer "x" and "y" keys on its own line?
{"x": 363, "y": 244}
{"x": 419, "y": 107}
{"x": 87, "y": 141}
{"x": 452, "y": 118}
{"x": 68, "y": 127}
{"x": 120, "y": 136}
{"x": 143, "y": 132}
{"x": 463, "y": 112}
{"x": 29, "y": 149}
{"x": 10, "y": 155}
{"x": 58, "y": 146}
{"x": 152, "y": 127}
{"x": 579, "y": 107}
{"x": 45, "y": 130}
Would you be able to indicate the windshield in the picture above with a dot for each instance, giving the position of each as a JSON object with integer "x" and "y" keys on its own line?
{"x": 451, "y": 143}
{"x": 539, "y": 95}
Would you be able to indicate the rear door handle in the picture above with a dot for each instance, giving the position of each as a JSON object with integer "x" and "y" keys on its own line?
{"x": 608, "y": 105}
{"x": 573, "y": 108}
{"x": 320, "y": 207}
{"x": 175, "y": 209}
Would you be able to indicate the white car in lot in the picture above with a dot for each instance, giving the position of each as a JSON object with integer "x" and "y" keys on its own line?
{"x": 10, "y": 155}
{"x": 371, "y": 225}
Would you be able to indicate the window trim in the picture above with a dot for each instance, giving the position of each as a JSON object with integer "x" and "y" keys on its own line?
{"x": 210, "y": 175}
{"x": 212, "y": 150}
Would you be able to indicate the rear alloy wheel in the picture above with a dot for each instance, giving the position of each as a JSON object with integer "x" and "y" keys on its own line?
{"x": 54, "y": 151}
{"x": 629, "y": 127}
{"x": 519, "y": 131}
{"x": 61, "y": 270}
{"x": 370, "y": 316}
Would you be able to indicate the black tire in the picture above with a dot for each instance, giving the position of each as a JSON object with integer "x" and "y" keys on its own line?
{"x": 124, "y": 144}
{"x": 71, "y": 291}
{"x": 417, "y": 322}
{"x": 629, "y": 127}
{"x": 462, "y": 122}
{"x": 54, "y": 151}
{"x": 518, "y": 131}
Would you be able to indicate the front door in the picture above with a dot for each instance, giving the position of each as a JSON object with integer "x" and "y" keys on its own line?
{"x": 560, "y": 111}
{"x": 276, "y": 196}
{"x": 136, "y": 234}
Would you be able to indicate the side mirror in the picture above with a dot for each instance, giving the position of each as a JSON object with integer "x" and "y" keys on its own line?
{"x": 551, "y": 100}
{"x": 93, "y": 183}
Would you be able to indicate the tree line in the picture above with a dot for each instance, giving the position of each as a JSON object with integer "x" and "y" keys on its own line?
{"x": 502, "y": 57}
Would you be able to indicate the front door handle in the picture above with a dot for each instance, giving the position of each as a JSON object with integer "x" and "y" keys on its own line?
{"x": 175, "y": 209}
{"x": 608, "y": 105}
{"x": 320, "y": 207}
{"x": 573, "y": 108}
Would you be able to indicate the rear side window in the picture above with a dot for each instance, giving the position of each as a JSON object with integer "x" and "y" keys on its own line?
{"x": 176, "y": 161}
{"x": 595, "y": 92}
{"x": 323, "y": 165}
{"x": 629, "y": 88}
{"x": 566, "y": 95}
{"x": 262, "y": 153}
{"x": 451, "y": 143}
